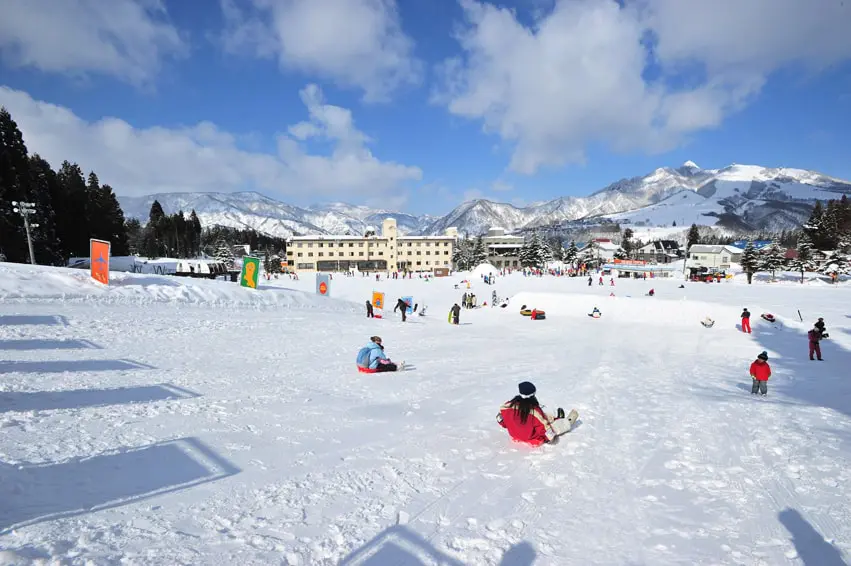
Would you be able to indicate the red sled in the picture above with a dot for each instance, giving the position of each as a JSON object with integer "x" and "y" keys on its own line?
{"x": 367, "y": 370}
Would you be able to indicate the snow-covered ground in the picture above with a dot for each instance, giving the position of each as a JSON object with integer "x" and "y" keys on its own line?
{"x": 172, "y": 421}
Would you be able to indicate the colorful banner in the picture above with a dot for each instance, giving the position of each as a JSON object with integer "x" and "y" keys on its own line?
{"x": 250, "y": 272}
{"x": 410, "y": 301}
{"x": 378, "y": 299}
{"x": 323, "y": 284}
{"x": 99, "y": 259}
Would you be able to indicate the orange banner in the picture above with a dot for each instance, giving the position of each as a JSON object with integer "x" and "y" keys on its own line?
{"x": 99, "y": 257}
{"x": 378, "y": 300}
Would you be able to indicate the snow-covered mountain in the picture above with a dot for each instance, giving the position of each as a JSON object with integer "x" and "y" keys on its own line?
{"x": 738, "y": 197}
{"x": 743, "y": 197}
{"x": 250, "y": 210}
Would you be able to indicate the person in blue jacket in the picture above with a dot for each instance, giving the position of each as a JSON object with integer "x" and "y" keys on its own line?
{"x": 371, "y": 358}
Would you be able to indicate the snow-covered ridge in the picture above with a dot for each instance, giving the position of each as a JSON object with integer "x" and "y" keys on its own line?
{"x": 737, "y": 196}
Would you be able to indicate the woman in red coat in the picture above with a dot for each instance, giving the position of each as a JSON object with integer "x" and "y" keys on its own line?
{"x": 760, "y": 372}
{"x": 527, "y": 422}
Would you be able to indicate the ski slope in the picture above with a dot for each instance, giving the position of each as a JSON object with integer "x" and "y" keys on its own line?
{"x": 171, "y": 421}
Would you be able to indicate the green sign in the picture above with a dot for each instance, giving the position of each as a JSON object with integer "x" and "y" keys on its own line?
{"x": 250, "y": 272}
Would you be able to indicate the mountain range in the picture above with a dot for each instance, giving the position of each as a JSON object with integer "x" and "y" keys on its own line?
{"x": 737, "y": 198}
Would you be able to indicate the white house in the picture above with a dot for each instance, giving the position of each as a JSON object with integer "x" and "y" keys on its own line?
{"x": 601, "y": 249}
{"x": 659, "y": 251}
{"x": 712, "y": 257}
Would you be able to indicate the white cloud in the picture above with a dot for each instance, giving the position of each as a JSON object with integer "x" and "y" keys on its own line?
{"x": 205, "y": 158}
{"x": 357, "y": 43}
{"x": 127, "y": 39}
{"x": 578, "y": 76}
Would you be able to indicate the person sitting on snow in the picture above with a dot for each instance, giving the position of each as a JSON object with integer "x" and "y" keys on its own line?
{"x": 651, "y": 293}
{"x": 527, "y": 422}
{"x": 372, "y": 357}
{"x": 596, "y": 313}
{"x": 707, "y": 322}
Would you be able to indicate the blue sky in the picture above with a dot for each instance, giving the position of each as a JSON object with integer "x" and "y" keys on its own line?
{"x": 420, "y": 104}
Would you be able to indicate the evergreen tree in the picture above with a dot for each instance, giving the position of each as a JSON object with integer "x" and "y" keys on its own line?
{"x": 804, "y": 261}
{"x": 772, "y": 257}
{"x": 571, "y": 254}
{"x": 72, "y": 221}
{"x": 224, "y": 253}
{"x": 14, "y": 186}
{"x": 534, "y": 253}
{"x": 133, "y": 229}
{"x": 750, "y": 261}
{"x": 842, "y": 257}
{"x": 44, "y": 185}
{"x": 627, "y": 243}
{"x": 693, "y": 237}
{"x": 462, "y": 255}
{"x": 195, "y": 231}
{"x": 479, "y": 253}
{"x": 814, "y": 227}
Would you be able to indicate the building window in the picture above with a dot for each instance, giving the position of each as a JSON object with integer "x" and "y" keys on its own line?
{"x": 419, "y": 263}
{"x": 428, "y": 252}
{"x": 300, "y": 244}
{"x": 360, "y": 254}
{"x": 309, "y": 245}
{"x": 321, "y": 254}
{"x": 309, "y": 254}
{"x": 300, "y": 254}
{"x": 360, "y": 244}
{"x": 351, "y": 244}
{"x": 419, "y": 252}
{"x": 380, "y": 253}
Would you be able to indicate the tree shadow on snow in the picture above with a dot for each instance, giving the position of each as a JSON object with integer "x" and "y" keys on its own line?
{"x": 35, "y": 493}
{"x": 48, "y": 344}
{"x": 81, "y": 398}
{"x": 70, "y": 366}
{"x": 36, "y": 320}
{"x": 811, "y": 547}
{"x": 401, "y": 546}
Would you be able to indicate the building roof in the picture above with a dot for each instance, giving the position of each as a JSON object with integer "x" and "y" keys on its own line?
{"x": 504, "y": 246}
{"x": 706, "y": 249}
{"x": 607, "y": 245}
{"x": 349, "y": 237}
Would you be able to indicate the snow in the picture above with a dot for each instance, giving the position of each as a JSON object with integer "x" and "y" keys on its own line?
{"x": 691, "y": 164}
{"x": 484, "y": 269}
{"x": 172, "y": 421}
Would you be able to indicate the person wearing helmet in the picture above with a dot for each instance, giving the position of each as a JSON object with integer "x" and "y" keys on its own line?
{"x": 371, "y": 358}
{"x": 526, "y": 421}
{"x": 760, "y": 372}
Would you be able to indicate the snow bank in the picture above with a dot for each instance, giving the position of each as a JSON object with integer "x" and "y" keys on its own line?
{"x": 626, "y": 309}
{"x": 484, "y": 269}
{"x": 24, "y": 282}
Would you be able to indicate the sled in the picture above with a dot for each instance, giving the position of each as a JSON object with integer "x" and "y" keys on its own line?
{"x": 528, "y": 312}
{"x": 367, "y": 370}
{"x": 768, "y": 317}
{"x": 595, "y": 314}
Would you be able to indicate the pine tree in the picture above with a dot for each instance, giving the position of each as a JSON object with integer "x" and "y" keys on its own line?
{"x": 479, "y": 253}
{"x": 14, "y": 186}
{"x": 72, "y": 220}
{"x": 750, "y": 261}
{"x": 842, "y": 257}
{"x": 533, "y": 253}
{"x": 627, "y": 243}
{"x": 571, "y": 254}
{"x": 804, "y": 261}
{"x": 693, "y": 237}
{"x": 771, "y": 258}
{"x": 195, "y": 226}
{"x": 133, "y": 229}
{"x": 224, "y": 253}
{"x": 44, "y": 185}
{"x": 814, "y": 227}
{"x": 116, "y": 227}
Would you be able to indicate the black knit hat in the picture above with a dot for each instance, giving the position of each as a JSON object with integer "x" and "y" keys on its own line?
{"x": 763, "y": 356}
{"x": 527, "y": 389}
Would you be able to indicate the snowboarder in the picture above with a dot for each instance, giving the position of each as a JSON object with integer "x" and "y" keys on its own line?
{"x": 371, "y": 358}
{"x": 526, "y": 421}
{"x": 455, "y": 313}
{"x": 815, "y": 335}
{"x": 760, "y": 372}
{"x": 746, "y": 321}
{"x": 369, "y": 312}
{"x": 400, "y": 304}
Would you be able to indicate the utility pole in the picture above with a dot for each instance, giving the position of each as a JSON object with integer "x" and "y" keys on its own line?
{"x": 25, "y": 209}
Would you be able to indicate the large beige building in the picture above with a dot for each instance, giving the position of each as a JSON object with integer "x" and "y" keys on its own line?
{"x": 503, "y": 249}
{"x": 372, "y": 252}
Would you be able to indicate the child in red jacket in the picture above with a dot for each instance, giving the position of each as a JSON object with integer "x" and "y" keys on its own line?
{"x": 760, "y": 372}
{"x": 527, "y": 422}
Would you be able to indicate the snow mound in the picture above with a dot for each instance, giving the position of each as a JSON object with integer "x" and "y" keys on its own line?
{"x": 24, "y": 282}
{"x": 626, "y": 309}
{"x": 484, "y": 269}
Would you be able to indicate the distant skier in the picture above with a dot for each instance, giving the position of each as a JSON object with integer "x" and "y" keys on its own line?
{"x": 455, "y": 313}
{"x": 526, "y": 421}
{"x": 601, "y": 280}
{"x": 371, "y": 358}
{"x": 760, "y": 372}
{"x": 369, "y": 312}
{"x": 400, "y": 304}
{"x": 590, "y": 280}
{"x": 746, "y": 321}
{"x": 815, "y": 335}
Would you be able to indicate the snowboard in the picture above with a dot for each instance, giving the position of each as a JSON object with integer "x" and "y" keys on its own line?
{"x": 572, "y": 417}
